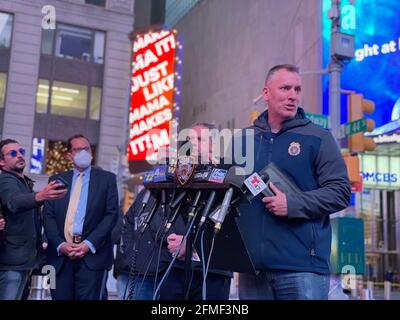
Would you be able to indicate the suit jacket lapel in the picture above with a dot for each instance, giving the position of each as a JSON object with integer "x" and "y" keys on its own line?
{"x": 65, "y": 201}
{"x": 93, "y": 182}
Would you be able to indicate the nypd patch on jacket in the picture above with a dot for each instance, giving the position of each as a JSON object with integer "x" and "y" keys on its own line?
{"x": 309, "y": 155}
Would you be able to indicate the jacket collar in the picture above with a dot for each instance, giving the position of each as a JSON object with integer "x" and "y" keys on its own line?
{"x": 261, "y": 123}
{"x": 24, "y": 179}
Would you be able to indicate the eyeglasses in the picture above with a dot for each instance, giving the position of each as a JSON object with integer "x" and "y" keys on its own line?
{"x": 77, "y": 150}
{"x": 14, "y": 153}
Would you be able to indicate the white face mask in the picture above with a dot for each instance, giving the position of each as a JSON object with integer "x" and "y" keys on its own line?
{"x": 83, "y": 159}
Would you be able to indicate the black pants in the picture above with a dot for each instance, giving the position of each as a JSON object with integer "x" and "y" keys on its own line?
{"x": 218, "y": 286}
{"x": 75, "y": 281}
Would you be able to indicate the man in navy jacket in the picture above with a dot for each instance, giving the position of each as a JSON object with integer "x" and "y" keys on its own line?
{"x": 82, "y": 255}
{"x": 289, "y": 235}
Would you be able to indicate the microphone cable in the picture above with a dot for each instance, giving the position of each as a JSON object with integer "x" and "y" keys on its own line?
{"x": 150, "y": 256}
{"x": 203, "y": 264}
{"x": 132, "y": 281}
{"x": 151, "y": 253}
{"x": 173, "y": 260}
{"x": 158, "y": 263}
{"x": 207, "y": 267}
{"x": 192, "y": 269}
{"x": 132, "y": 263}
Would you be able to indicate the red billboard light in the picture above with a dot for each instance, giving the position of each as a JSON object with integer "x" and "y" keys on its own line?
{"x": 152, "y": 93}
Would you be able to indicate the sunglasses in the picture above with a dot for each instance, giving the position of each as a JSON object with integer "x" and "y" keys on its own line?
{"x": 14, "y": 153}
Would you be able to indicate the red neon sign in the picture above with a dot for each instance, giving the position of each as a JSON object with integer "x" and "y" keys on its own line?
{"x": 152, "y": 93}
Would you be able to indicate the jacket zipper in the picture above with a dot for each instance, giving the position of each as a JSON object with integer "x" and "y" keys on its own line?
{"x": 271, "y": 142}
{"x": 259, "y": 147}
{"x": 312, "y": 250}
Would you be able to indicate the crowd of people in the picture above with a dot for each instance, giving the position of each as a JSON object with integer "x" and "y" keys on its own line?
{"x": 78, "y": 213}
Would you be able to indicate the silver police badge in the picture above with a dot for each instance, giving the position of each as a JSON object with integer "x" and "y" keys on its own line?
{"x": 185, "y": 168}
{"x": 294, "y": 149}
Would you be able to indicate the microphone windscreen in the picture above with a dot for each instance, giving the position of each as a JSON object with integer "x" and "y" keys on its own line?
{"x": 235, "y": 177}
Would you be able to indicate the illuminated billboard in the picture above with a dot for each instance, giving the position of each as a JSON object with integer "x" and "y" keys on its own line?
{"x": 154, "y": 88}
{"x": 375, "y": 69}
{"x": 380, "y": 171}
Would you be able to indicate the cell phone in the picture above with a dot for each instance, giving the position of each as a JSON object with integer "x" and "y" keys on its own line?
{"x": 62, "y": 184}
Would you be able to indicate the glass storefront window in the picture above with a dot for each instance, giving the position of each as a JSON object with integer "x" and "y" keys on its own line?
{"x": 95, "y": 103}
{"x": 3, "y": 85}
{"x": 42, "y": 96}
{"x": 68, "y": 99}
{"x": 6, "y": 21}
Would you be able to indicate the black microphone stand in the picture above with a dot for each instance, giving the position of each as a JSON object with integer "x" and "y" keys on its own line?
{"x": 189, "y": 254}
{"x": 193, "y": 214}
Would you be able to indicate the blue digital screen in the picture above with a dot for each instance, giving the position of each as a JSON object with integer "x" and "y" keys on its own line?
{"x": 37, "y": 158}
{"x": 375, "y": 69}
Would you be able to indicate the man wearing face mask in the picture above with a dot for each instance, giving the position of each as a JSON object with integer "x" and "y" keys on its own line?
{"x": 79, "y": 227}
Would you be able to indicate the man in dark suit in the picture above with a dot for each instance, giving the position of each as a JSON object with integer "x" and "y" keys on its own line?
{"x": 218, "y": 281}
{"x": 79, "y": 226}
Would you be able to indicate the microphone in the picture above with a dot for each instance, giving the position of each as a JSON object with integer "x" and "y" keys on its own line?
{"x": 202, "y": 173}
{"x": 172, "y": 219}
{"x": 145, "y": 200}
{"x": 163, "y": 173}
{"x": 163, "y": 200}
{"x": 221, "y": 214}
{"x": 209, "y": 173}
{"x": 236, "y": 182}
{"x": 218, "y": 175}
{"x": 207, "y": 208}
{"x": 266, "y": 191}
{"x": 151, "y": 213}
{"x": 194, "y": 205}
{"x": 178, "y": 199}
{"x": 256, "y": 184}
{"x": 176, "y": 203}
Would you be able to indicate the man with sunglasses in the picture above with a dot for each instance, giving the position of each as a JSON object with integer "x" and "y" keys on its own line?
{"x": 20, "y": 248}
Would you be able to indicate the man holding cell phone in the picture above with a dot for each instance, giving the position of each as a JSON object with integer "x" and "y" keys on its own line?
{"x": 21, "y": 244}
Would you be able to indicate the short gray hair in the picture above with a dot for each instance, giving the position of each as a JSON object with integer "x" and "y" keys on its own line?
{"x": 275, "y": 69}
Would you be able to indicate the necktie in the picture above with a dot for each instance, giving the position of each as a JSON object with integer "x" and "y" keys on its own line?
{"x": 72, "y": 207}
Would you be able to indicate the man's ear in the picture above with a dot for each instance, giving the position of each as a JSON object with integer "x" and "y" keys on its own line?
{"x": 265, "y": 93}
{"x": 69, "y": 156}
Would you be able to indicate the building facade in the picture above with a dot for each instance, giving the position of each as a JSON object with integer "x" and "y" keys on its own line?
{"x": 65, "y": 69}
{"x": 228, "y": 47}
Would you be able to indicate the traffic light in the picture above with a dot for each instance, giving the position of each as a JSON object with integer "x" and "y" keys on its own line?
{"x": 353, "y": 167}
{"x": 254, "y": 115}
{"x": 357, "y": 106}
